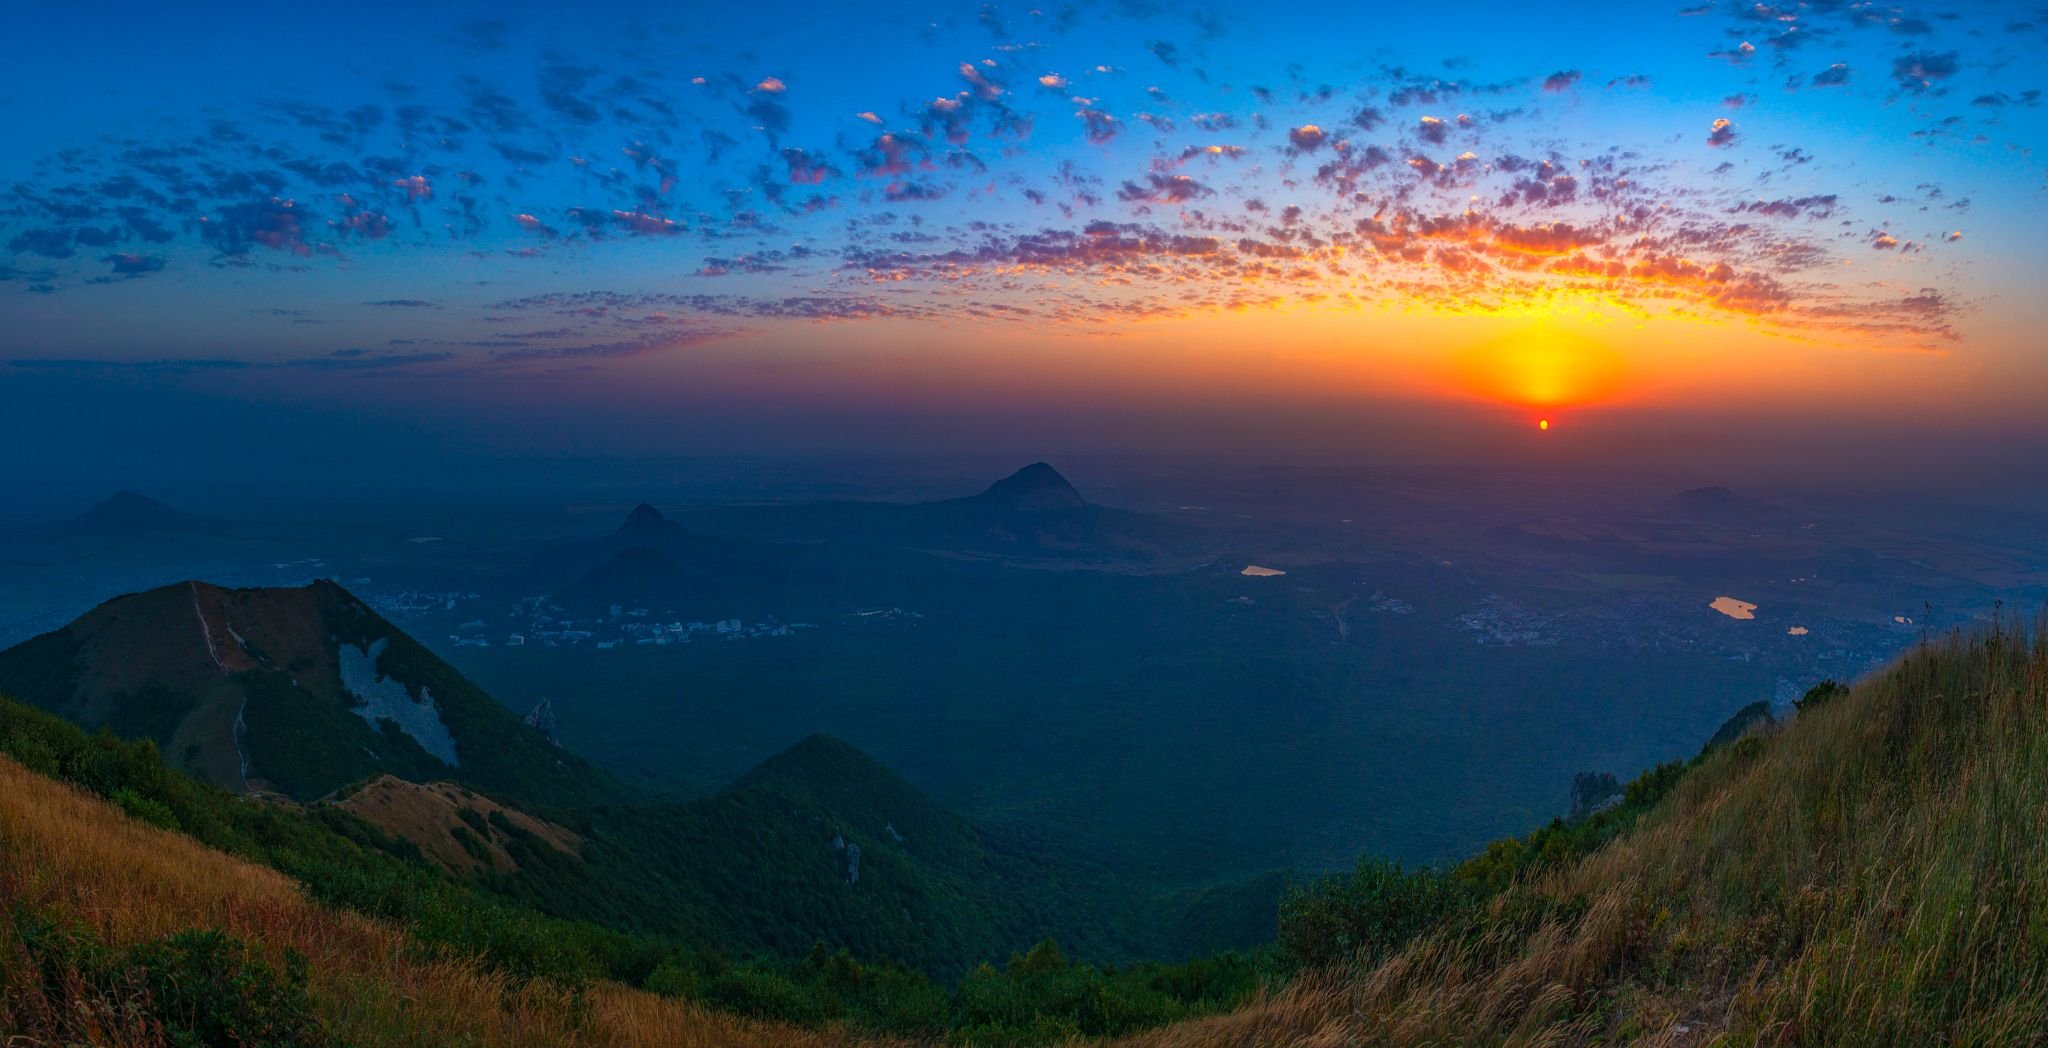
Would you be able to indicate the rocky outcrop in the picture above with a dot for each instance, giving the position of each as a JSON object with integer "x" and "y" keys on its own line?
{"x": 541, "y": 718}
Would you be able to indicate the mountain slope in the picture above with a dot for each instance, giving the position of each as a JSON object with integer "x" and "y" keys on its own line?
{"x": 297, "y": 691}
{"x": 79, "y": 879}
{"x": 1869, "y": 873}
{"x": 108, "y": 928}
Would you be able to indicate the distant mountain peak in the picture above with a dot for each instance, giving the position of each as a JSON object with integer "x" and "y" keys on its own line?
{"x": 1036, "y": 488}
{"x": 645, "y": 516}
{"x": 133, "y": 511}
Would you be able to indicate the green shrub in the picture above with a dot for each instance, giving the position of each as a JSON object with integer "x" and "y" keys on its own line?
{"x": 1367, "y": 913}
{"x": 1820, "y": 693}
{"x": 201, "y": 988}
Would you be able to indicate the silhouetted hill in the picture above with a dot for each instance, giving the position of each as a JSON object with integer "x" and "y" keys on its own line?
{"x": 1032, "y": 515}
{"x": 645, "y": 525}
{"x": 1719, "y": 505}
{"x": 128, "y": 512}
{"x": 1037, "y": 488}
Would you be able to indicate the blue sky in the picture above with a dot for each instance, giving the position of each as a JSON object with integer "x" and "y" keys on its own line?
{"x": 658, "y": 209}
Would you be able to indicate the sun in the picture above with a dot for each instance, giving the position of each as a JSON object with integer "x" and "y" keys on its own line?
{"x": 1543, "y": 423}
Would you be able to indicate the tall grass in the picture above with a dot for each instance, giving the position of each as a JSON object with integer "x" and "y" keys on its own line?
{"x": 65, "y": 852}
{"x": 1874, "y": 872}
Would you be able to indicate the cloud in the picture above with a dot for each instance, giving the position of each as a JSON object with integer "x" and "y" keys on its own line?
{"x": 1563, "y": 80}
{"x": 1099, "y": 126}
{"x": 1833, "y": 76}
{"x": 402, "y": 303}
{"x": 49, "y": 243}
{"x": 1432, "y": 130}
{"x": 804, "y": 168}
{"x": 644, "y": 224}
{"x": 1164, "y": 189}
{"x": 1722, "y": 133}
{"x": 1306, "y": 138}
{"x": 133, "y": 265}
{"x": 640, "y": 347}
{"x": 277, "y": 224}
{"x": 534, "y": 225}
{"x": 1919, "y": 71}
{"x": 1815, "y": 206}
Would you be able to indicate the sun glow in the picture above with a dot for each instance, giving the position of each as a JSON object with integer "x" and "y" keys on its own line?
{"x": 1541, "y": 365}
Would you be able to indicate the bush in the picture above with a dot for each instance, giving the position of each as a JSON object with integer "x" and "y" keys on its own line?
{"x": 1366, "y": 914}
{"x": 1820, "y": 693}
{"x": 199, "y": 988}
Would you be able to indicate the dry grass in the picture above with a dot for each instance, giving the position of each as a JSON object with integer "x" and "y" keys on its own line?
{"x": 64, "y": 851}
{"x": 428, "y": 814}
{"x": 1875, "y": 872}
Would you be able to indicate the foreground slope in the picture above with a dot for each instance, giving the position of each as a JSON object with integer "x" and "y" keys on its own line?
{"x": 1870, "y": 873}
{"x": 80, "y": 880}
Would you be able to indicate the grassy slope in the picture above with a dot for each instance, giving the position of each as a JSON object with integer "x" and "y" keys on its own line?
{"x": 63, "y": 851}
{"x": 1870, "y": 873}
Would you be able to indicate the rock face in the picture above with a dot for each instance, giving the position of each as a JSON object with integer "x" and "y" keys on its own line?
{"x": 541, "y": 718}
{"x": 380, "y": 698}
{"x": 1744, "y": 720}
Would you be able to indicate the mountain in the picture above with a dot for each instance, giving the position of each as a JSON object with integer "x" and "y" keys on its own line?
{"x": 645, "y": 526}
{"x": 126, "y": 512}
{"x": 296, "y": 691}
{"x": 1037, "y": 488}
{"x": 658, "y": 566}
{"x": 819, "y": 843}
{"x": 1032, "y": 515}
{"x": 1719, "y": 505}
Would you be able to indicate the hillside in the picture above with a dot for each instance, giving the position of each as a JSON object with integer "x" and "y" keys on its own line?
{"x": 297, "y": 691}
{"x": 117, "y": 932}
{"x": 1869, "y": 873}
{"x": 96, "y": 905}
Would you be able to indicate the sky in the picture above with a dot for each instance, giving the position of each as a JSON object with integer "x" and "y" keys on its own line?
{"x": 240, "y": 236}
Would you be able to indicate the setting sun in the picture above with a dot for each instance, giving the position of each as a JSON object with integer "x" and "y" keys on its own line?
{"x": 1542, "y": 423}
